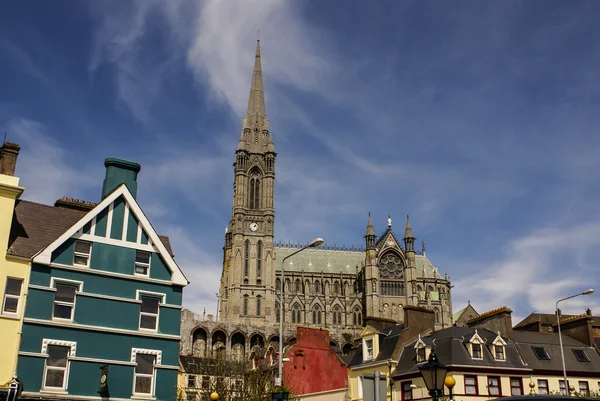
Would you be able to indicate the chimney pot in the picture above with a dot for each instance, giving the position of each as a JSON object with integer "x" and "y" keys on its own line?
{"x": 8, "y": 158}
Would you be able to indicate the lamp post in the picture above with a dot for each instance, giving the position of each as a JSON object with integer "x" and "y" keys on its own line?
{"x": 390, "y": 365}
{"x": 450, "y": 382}
{"x": 421, "y": 388}
{"x": 434, "y": 374}
{"x": 562, "y": 353}
{"x": 317, "y": 242}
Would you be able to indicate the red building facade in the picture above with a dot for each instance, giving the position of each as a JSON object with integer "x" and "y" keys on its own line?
{"x": 313, "y": 366}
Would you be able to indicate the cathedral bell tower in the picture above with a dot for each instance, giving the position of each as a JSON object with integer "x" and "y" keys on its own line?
{"x": 248, "y": 278}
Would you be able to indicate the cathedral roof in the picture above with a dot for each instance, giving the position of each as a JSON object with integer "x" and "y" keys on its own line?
{"x": 321, "y": 260}
{"x": 425, "y": 269}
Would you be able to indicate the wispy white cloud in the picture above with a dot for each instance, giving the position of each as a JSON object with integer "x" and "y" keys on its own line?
{"x": 43, "y": 164}
{"x": 537, "y": 270}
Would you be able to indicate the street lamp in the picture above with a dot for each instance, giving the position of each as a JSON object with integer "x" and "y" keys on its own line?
{"x": 317, "y": 242}
{"x": 421, "y": 388}
{"x": 434, "y": 373}
{"x": 562, "y": 353}
{"x": 450, "y": 382}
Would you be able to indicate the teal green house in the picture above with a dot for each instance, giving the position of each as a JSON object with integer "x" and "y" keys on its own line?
{"x": 102, "y": 317}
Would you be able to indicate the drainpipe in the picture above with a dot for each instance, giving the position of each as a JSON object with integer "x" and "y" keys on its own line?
{"x": 376, "y": 385}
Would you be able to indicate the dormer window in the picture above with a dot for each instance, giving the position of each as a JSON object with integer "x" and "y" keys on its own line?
{"x": 475, "y": 346}
{"x": 369, "y": 349}
{"x": 421, "y": 350}
{"x": 498, "y": 347}
{"x": 499, "y": 352}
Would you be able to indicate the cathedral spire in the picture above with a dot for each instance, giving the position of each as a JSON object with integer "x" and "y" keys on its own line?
{"x": 256, "y": 103}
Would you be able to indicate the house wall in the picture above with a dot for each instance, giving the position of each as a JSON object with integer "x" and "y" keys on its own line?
{"x": 482, "y": 385}
{"x": 9, "y": 267}
{"x": 313, "y": 366}
{"x": 105, "y": 325}
{"x": 354, "y": 393}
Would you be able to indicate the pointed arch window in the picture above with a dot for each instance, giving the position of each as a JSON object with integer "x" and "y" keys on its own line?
{"x": 246, "y": 257}
{"x": 317, "y": 287}
{"x": 245, "y": 306}
{"x": 337, "y": 316}
{"x": 277, "y": 315}
{"x": 277, "y": 285}
{"x": 255, "y": 189}
{"x": 316, "y": 314}
{"x": 357, "y": 317}
{"x": 436, "y": 311}
{"x": 296, "y": 314}
{"x": 336, "y": 288}
{"x": 258, "y": 260}
{"x": 298, "y": 286}
{"x": 258, "y": 300}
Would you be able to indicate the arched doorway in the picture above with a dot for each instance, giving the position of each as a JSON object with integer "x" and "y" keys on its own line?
{"x": 199, "y": 342}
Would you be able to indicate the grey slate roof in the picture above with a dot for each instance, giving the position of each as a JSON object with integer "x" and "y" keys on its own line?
{"x": 35, "y": 226}
{"x": 321, "y": 260}
{"x": 335, "y": 262}
{"x": 525, "y": 340}
{"x": 451, "y": 351}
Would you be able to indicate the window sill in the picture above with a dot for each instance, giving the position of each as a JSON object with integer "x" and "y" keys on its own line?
{"x": 49, "y": 391}
{"x": 12, "y": 316}
{"x": 144, "y": 397}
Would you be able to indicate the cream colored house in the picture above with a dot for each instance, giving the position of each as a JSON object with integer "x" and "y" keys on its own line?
{"x": 14, "y": 271}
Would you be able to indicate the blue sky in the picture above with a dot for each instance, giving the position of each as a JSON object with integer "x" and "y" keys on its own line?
{"x": 478, "y": 119}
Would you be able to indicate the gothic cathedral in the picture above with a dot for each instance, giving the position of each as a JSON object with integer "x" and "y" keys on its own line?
{"x": 337, "y": 288}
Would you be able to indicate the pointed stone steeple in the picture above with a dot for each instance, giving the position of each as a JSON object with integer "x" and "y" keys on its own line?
{"x": 408, "y": 230}
{"x": 370, "y": 230}
{"x": 409, "y": 240}
{"x": 256, "y": 117}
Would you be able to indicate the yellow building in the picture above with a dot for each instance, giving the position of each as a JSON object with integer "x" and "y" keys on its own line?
{"x": 378, "y": 352}
{"x": 14, "y": 271}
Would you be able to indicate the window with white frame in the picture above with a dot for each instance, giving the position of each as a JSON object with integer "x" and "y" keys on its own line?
{"x": 499, "y": 352}
{"x": 81, "y": 256}
{"x": 12, "y": 295}
{"x": 368, "y": 348}
{"x": 64, "y": 300}
{"x": 144, "y": 373}
{"x": 142, "y": 263}
{"x": 476, "y": 351}
{"x": 149, "y": 312}
{"x": 56, "y": 367}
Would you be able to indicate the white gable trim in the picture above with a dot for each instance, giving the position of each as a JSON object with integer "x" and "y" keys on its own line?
{"x": 477, "y": 338}
{"x": 45, "y": 255}
{"x": 420, "y": 343}
{"x": 499, "y": 340}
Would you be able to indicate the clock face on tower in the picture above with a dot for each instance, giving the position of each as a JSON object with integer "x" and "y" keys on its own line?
{"x": 253, "y": 226}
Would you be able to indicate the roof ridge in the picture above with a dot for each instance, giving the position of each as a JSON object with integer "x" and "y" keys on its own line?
{"x": 574, "y": 317}
{"x": 491, "y": 313}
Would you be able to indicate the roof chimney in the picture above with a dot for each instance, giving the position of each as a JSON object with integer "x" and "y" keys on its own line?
{"x": 119, "y": 171}
{"x": 8, "y": 158}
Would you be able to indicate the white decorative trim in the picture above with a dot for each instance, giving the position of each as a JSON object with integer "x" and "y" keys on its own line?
{"x": 62, "y": 343}
{"x": 60, "y": 396}
{"x": 101, "y": 329}
{"x": 79, "y": 284}
{"x": 155, "y": 352}
{"x": 111, "y": 274}
{"x": 114, "y": 242}
{"x": 45, "y": 255}
{"x": 93, "y": 226}
{"x": 100, "y": 360}
{"x": 125, "y": 223}
{"x": 138, "y": 238}
{"x": 499, "y": 340}
{"x": 139, "y": 293}
{"x": 110, "y": 297}
{"x": 33, "y": 354}
{"x": 420, "y": 343}
{"x": 41, "y": 288}
{"x": 109, "y": 217}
